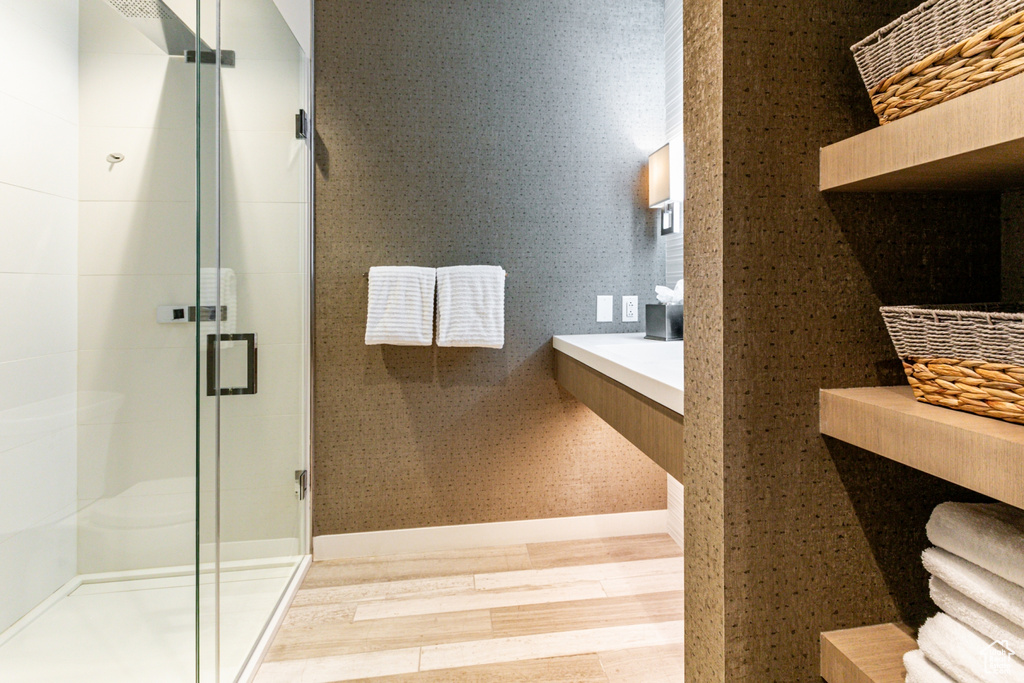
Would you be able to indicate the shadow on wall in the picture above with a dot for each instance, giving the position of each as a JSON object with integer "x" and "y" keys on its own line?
{"x": 323, "y": 155}
{"x": 893, "y": 521}
{"x": 909, "y": 261}
{"x": 906, "y": 260}
{"x": 446, "y": 367}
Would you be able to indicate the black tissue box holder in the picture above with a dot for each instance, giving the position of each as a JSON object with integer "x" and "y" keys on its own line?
{"x": 665, "y": 322}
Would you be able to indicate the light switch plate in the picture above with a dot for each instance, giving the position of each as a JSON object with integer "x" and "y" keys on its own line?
{"x": 604, "y": 309}
{"x": 630, "y": 304}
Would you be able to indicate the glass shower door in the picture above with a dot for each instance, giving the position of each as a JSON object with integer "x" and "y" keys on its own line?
{"x": 253, "y": 271}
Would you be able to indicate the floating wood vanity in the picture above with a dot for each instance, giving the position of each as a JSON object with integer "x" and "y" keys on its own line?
{"x": 633, "y": 384}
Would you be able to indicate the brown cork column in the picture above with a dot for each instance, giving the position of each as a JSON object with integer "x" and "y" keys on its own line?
{"x": 787, "y": 533}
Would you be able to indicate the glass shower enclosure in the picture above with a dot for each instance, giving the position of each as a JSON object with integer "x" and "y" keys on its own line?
{"x": 154, "y": 345}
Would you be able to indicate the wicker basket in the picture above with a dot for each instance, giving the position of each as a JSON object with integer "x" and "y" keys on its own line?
{"x": 963, "y": 357}
{"x": 938, "y": 51}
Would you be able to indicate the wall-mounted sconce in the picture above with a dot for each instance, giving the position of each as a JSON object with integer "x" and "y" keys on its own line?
{"x": 665, "y": 185}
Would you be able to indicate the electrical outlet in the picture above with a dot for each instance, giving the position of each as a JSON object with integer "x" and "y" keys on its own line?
{"x": 629, "y": 309}
{"x": 604, "y": 309}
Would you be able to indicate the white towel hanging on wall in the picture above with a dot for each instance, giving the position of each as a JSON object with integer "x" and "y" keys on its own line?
{"x": 471, "y": 306}
{"x": 400, "y": 306}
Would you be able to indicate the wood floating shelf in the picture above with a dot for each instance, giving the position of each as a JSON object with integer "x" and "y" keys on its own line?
{"x": 871, "y": 654}
{"x": 980, "y": 453}
{"x": 972, "y": 142}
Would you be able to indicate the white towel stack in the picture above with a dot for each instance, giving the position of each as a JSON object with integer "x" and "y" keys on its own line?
{"x": 471, "y": 306}
{"x": 920, "y": 670}
{"x": 977, "y": 580}
{"x": 223, "y": 285}
{"x": 400, "y": 306}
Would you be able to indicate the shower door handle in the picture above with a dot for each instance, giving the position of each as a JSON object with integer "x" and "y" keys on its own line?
{"x": 211, "y": 365}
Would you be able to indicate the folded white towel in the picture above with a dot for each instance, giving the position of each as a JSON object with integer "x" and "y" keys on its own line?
{"x": 471, "y": 306}
{"x": 400, "y": 306}
{"x": 965, "y": 655}
{"x": 985, "y": 588}
{"x": 920, "y": 670}
{"x": 991, "y": 535}
{"x": 210, "y": 287}
{"x": 984, "y": 621}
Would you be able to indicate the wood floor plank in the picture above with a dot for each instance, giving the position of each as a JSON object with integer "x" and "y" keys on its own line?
{"x": 582, "y": 614}
{"x": 600, "y": 550}
{"x": 491, "y": 614}
{"x": 659, "y": 664}
{"x": 583, "y": 590}
{"x": 381, "y": 590}
{"x": 340, "y": 668}
{"x": 577, "y": 669}
{"x": 542, "y": 645}
{"x": 648, "y": 583}
{"x": 332, "y": 639}
{"x": 556, "y": 576}
{"x": 318, "y": 614}
{"x": 327, "y": 573}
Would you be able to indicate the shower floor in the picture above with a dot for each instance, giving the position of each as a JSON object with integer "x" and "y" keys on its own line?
{"x": 144, "y": 629}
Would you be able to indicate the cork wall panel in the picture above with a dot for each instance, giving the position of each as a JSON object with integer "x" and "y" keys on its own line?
{"x": 819, "y": 535}
{"x": 702, "y": 253}
{"x": 1013, "y": 245}
{"x": 468, "y": 132}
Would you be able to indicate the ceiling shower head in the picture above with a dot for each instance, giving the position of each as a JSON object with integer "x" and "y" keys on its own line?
{"x": 159, "y": 23}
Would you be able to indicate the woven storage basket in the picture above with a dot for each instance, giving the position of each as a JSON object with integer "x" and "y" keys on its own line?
{"x": 940, "y": 50}
{"x": 963, "y": 357}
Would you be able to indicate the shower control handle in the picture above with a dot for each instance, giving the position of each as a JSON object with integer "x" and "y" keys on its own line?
{"x": 211, "y": 364}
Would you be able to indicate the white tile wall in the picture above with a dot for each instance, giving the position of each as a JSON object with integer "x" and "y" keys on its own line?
{"x": 137, "y": 238}
{"x": 297, "y": 14}
{"x": 44, "y": 163}
{"x": 39, "y": 315}
{"x": 137, "y": 250}
{"x": 674, "y": 121}
{"x": 158, "y": 164}
{"x": 46, "y": 33}
{"x": 38, "y": 234}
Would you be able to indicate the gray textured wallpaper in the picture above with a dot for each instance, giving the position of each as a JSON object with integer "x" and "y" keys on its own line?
{"x": 480, "y": 132}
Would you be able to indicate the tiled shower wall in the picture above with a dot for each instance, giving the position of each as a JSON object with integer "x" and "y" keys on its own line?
{"x": 473, "y": 132}
{"x": 788, "y": 533}
{"x": 38, "y": 294}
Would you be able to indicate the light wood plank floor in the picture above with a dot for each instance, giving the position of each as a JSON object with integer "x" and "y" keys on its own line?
{"x": 596, "y": 611}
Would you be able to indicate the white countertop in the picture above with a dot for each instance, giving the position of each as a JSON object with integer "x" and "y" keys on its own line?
{"x": 649, "y": 367}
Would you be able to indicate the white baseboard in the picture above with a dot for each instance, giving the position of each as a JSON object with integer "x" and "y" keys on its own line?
{"x": 259, "y": 651}
{"x": 675, "y": 510}
{"x": 466, "y": 536}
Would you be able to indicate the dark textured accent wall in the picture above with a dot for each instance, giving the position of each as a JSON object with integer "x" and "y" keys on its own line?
{"x": 469, "y": 132}
{"x": 816, "y": 534}
{"x": 1013, "y": 245}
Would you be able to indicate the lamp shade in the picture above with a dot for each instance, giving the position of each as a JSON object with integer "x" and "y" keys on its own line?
{"x": 659, "y": 178}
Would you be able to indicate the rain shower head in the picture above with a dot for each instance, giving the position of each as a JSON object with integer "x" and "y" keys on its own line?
{"x": 159, "y": 23}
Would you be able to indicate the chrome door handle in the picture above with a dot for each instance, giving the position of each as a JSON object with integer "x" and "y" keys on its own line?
{"x": 211, "y": 364}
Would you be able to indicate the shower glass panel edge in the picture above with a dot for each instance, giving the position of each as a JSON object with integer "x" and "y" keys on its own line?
{"x": 253, "y": 269}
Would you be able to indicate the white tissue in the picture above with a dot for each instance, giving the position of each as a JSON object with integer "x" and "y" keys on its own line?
{"x": 670, "y": 296}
